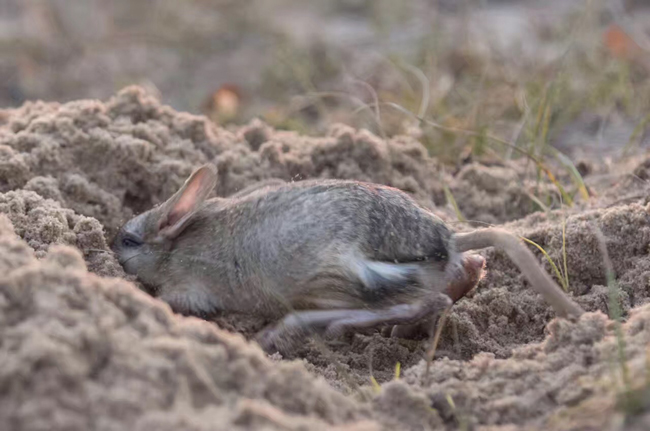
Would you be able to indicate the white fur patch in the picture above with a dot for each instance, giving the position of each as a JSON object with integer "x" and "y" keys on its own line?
{"x": 369, "y": 270}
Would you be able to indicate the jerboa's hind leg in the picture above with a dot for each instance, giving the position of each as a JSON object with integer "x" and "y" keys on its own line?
{"x": 335, "y": 322}
{"x": 462, "y": 280}
{"x": 407, "y": 318}
{"x": 380, "y": 283}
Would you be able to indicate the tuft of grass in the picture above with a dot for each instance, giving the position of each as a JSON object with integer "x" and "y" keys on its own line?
{"x": 488, "y": 139}
{"x": 434, "y": 344}
{"x": 470, "y": 98}
{"x": 538, "y": 202}
{"x": 647, "y": 366}
{"x": 627, "y": 399}
{"x": 375, "y": 384}
{"x": 564, "y": 280}
{"x": 426, "y": 88}
{"x": 633, "y": 141}
{"x": 452, "y": 201}
{"x": 463, "y": 423}
{"x": 573, "y": 171}
{"x": 564, "y": 258}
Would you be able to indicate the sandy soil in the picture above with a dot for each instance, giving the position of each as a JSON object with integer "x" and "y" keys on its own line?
{"x": 83, "y": 348}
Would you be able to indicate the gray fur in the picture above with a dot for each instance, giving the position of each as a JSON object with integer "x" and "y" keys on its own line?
{"x": 264, "y": 184}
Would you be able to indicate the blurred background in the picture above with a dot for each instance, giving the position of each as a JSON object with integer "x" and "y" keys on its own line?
{"x": 460, "y": 75}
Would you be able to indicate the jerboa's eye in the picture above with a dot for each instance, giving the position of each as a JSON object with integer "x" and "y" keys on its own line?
{"x": 131, "y": 241}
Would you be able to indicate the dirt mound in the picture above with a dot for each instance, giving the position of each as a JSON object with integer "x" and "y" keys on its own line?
{"x": 496, "y": 194}
{"x": 42, "y": 222}
{"x": 575, "y": 366}
{"x": 83, "y": 350}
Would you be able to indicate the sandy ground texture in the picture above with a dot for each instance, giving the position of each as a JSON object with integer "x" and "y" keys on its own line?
{"x": 83, "y": 348}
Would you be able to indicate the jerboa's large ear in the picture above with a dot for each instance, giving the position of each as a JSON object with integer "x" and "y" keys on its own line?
{"x": 179, "y": 209}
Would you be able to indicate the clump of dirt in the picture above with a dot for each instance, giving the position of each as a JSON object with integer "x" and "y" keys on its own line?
{"x": 576, "y": 364}
{"x": 496, "y": 194}
{"x": 71, "y": 174}
{"x": 42, "y": 222}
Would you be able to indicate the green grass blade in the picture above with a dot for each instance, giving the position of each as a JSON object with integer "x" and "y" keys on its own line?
{"x": 577, "y": 178}
{"x": 566, "y": 269}
{"x": 375, "y": 385}
{"x": 555, "y": 268}
{"x": 450, "y": 198}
